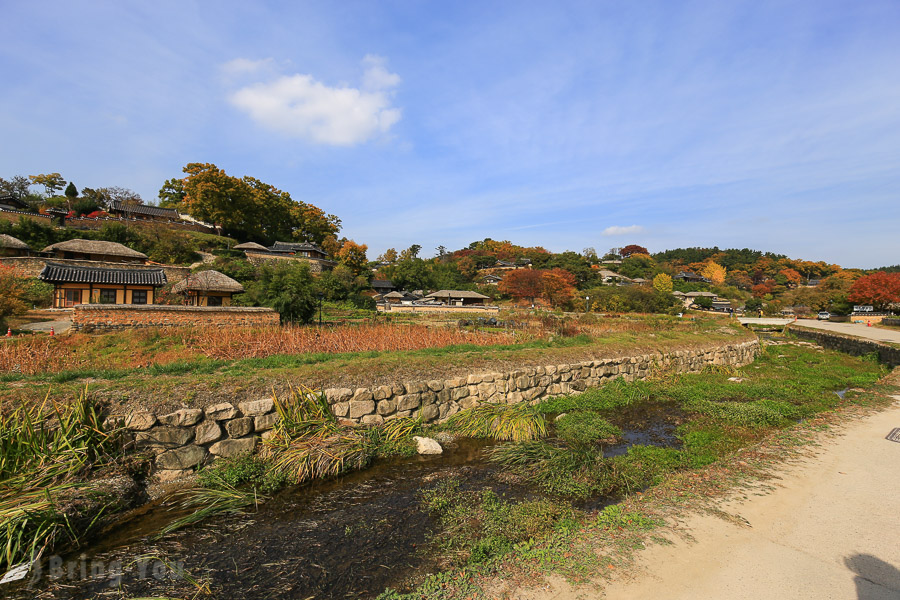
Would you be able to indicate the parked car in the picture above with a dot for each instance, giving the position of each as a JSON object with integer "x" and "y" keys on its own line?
{"x": 824, "y": 315}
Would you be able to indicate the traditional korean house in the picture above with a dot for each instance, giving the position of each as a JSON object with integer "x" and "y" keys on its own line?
{"x": 458, "y": 298}
{"x": 301, "y": 252}
{"x": 10, "y": 246}
{"x": 76, "y": 284}
{"x": 143, "y": 212}
{"x": 383, "y": 286}
{"x": 208, "y": 288}
{"x": 95, "y": 250}
{"x": 10, "y": 202}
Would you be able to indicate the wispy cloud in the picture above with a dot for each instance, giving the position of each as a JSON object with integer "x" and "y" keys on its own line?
{"x": 302, "y": 107}
{"x": 619, "y": 230}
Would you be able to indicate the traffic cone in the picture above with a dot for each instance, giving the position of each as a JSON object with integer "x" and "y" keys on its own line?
{"x": 52, "y": 333}
{"x": 9, "y": 332}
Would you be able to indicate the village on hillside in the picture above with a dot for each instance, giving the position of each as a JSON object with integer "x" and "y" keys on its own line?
{"x": 224, "y": 243}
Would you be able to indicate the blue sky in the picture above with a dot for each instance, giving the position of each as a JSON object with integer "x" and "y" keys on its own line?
{"x": 770, "y": 125}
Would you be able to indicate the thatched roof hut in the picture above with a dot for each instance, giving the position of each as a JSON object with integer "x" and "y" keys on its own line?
{"x": 93, "y": 248}
{"x": 208, "y": 281}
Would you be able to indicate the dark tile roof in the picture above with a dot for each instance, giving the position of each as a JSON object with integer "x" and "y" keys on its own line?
{"x": 144, "y": 209}
{"x": 296, "y": 247}
{"x": 56, "y": 273}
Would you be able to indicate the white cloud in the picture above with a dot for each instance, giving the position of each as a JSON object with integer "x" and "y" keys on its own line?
{"x": 619, "y": 230}
{"x": 302, "y": 107}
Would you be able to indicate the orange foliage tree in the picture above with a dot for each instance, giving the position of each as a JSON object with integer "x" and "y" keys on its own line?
{"x": 353, "y": 256}
{"x": 714, "y": 272}
{"x": 558, "y": 287}
{"x": 522, "y": 284}
{"x": 878, "y": 289}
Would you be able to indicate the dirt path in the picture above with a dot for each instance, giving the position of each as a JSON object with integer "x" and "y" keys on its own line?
{"x": 855, "y": 329}
{"x": 830, "y": 529}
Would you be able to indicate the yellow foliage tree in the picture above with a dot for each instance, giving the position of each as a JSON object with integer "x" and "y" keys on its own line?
{"x": 663, "y": 283}
{"x": 714, "y": 272}
{"x": 353, "y": 256}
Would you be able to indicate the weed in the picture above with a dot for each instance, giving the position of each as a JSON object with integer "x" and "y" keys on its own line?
{"x": 585, "y": 427}
{"x": 247, "y": 470}
{"x": 616, "y": 517}
{"x": 517, "y": 422}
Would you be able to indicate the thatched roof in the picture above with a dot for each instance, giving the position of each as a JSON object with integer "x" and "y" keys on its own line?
{"x": 208, "y": 281}
{"x": 8, "y": 241}
{"x": 95, "y": 247}
{"x": 251, "y": 246}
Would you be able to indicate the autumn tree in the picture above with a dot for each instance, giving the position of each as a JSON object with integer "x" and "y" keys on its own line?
{"x": 879, "y": 289}
{"x": 52, "y": 182}
{"x": 411, "y": 252}
{"x": 12, "y": 289}
{"x": 247, "y": 207}
{"x": 388, "y": 256}
{"x": 632, "y": 249}
{"x": 557, "y": 286}
{"x": 788, "y": 277}
{"x": 663, "y": 283}
{"x": 16, "y": 186}
{"x": 522, "y": 284}
{"x": 353, "y": 256}
{"x": 714, "y": 272}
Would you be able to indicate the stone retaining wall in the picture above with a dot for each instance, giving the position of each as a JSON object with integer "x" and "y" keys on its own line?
{"x": 851, "y": 345}
{"x": 31, "y": 266}
{"x": 111, "y": 317}
{"x": 189, "y": 437}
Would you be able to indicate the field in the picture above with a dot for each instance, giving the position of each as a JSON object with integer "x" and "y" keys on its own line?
{"x": 194, "y": 367}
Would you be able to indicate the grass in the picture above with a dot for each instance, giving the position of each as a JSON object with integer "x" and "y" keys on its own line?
{"x": 517, "y": 422}
{"x": 43, "y": 451}
{"x": 778, "y": 404}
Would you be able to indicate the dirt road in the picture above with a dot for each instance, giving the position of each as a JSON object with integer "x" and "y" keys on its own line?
{"x": 830, "y": 530}
{"x": 876, "y": 334}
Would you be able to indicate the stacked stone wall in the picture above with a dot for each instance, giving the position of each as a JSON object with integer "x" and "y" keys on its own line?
{"x": 112, "y": 317}
{"x": 189, "y": 437}
{"x": 31, "y": 266}
{"x": 851, "y": 345}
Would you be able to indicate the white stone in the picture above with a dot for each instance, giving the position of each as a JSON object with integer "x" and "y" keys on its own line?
{"x": 425, "y": 445}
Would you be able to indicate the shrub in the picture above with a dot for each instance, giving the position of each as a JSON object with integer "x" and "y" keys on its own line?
{"x": 585, "y": 427}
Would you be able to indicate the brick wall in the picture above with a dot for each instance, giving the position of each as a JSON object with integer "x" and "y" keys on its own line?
{"x": 110, "y": 317}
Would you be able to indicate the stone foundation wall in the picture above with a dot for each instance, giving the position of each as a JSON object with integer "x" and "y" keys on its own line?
{"x": 111, "y": 317}
{"x": 408, "y": 308}
{"x": 31, "y": 266}
{"x": 189, "y": 437}
{"x": 851, "y": 345}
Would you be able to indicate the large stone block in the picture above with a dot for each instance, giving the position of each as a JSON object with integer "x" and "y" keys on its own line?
{"x": 221, "y": 412}
{"x": 265, "y": 422}
{"x": 382, "y": 392}
{"x": 239, "y": 427}
{"x": 256, "y": 407}
{"x": 181, "y": 458}
{"x": 361, "y": 395}
{"x": 163, "y": 437}
{"x": 182, "y": 418}
{"x": 430, "y": 412}
{"x": 232, "y": 448}
{"x": 335, "y": 395}
{"x": 207, "y": 432}
{"x": 360, "y": 408}
{"x": 140, "y": 421}
{"x": 386, "y": 407}
{"x": 340, "y": 409}
{"x": 372, "y": 420}
{"x": 435, "y": 385}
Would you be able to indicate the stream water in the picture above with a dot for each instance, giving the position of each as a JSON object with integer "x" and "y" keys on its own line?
{"x": 346, "y": 538}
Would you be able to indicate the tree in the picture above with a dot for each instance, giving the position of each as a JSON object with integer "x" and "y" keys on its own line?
{"x": 52, "y": 182}
{"x": 411, "y": 274}
{"x": 411, "y": 252}
{"x": 12, "y": 289}
{"x": 353, "y": 256}
{"x": 632, "y": 249}
{"x": 247, "y": 207}
{"x": 71, "y": 191}
{"x": 288, "y": 288}
{"x": 16, "y": 186}
{"x": 574, "y": 263}
{"x": 441, "y": 251}
{"x": 703, "y": 302}
{"x": 663, "y": 283}
{"x": 389, "y": 256}
{"x": 637, "y": 265}
{"x": 714, "y": 272}
{"x": 879, "y": 289}
{"x": 522, "y": 283}
{"x": 105, "y": 196}
{"x": 558, "y": 287}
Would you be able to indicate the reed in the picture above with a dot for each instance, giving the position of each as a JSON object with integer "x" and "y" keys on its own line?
{"x": 516, "y": 422}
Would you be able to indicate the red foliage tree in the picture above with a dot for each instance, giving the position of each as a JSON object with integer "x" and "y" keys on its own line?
{"x": 522, "y": 283}
{"x": 632, "y": 249}
{"x": 558, "y": 287}
{"x": 878, "y": 289}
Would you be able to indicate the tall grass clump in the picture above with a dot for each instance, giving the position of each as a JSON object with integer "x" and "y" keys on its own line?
{"x": 505, "y": 422}
{"x": 43, "y": 449}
